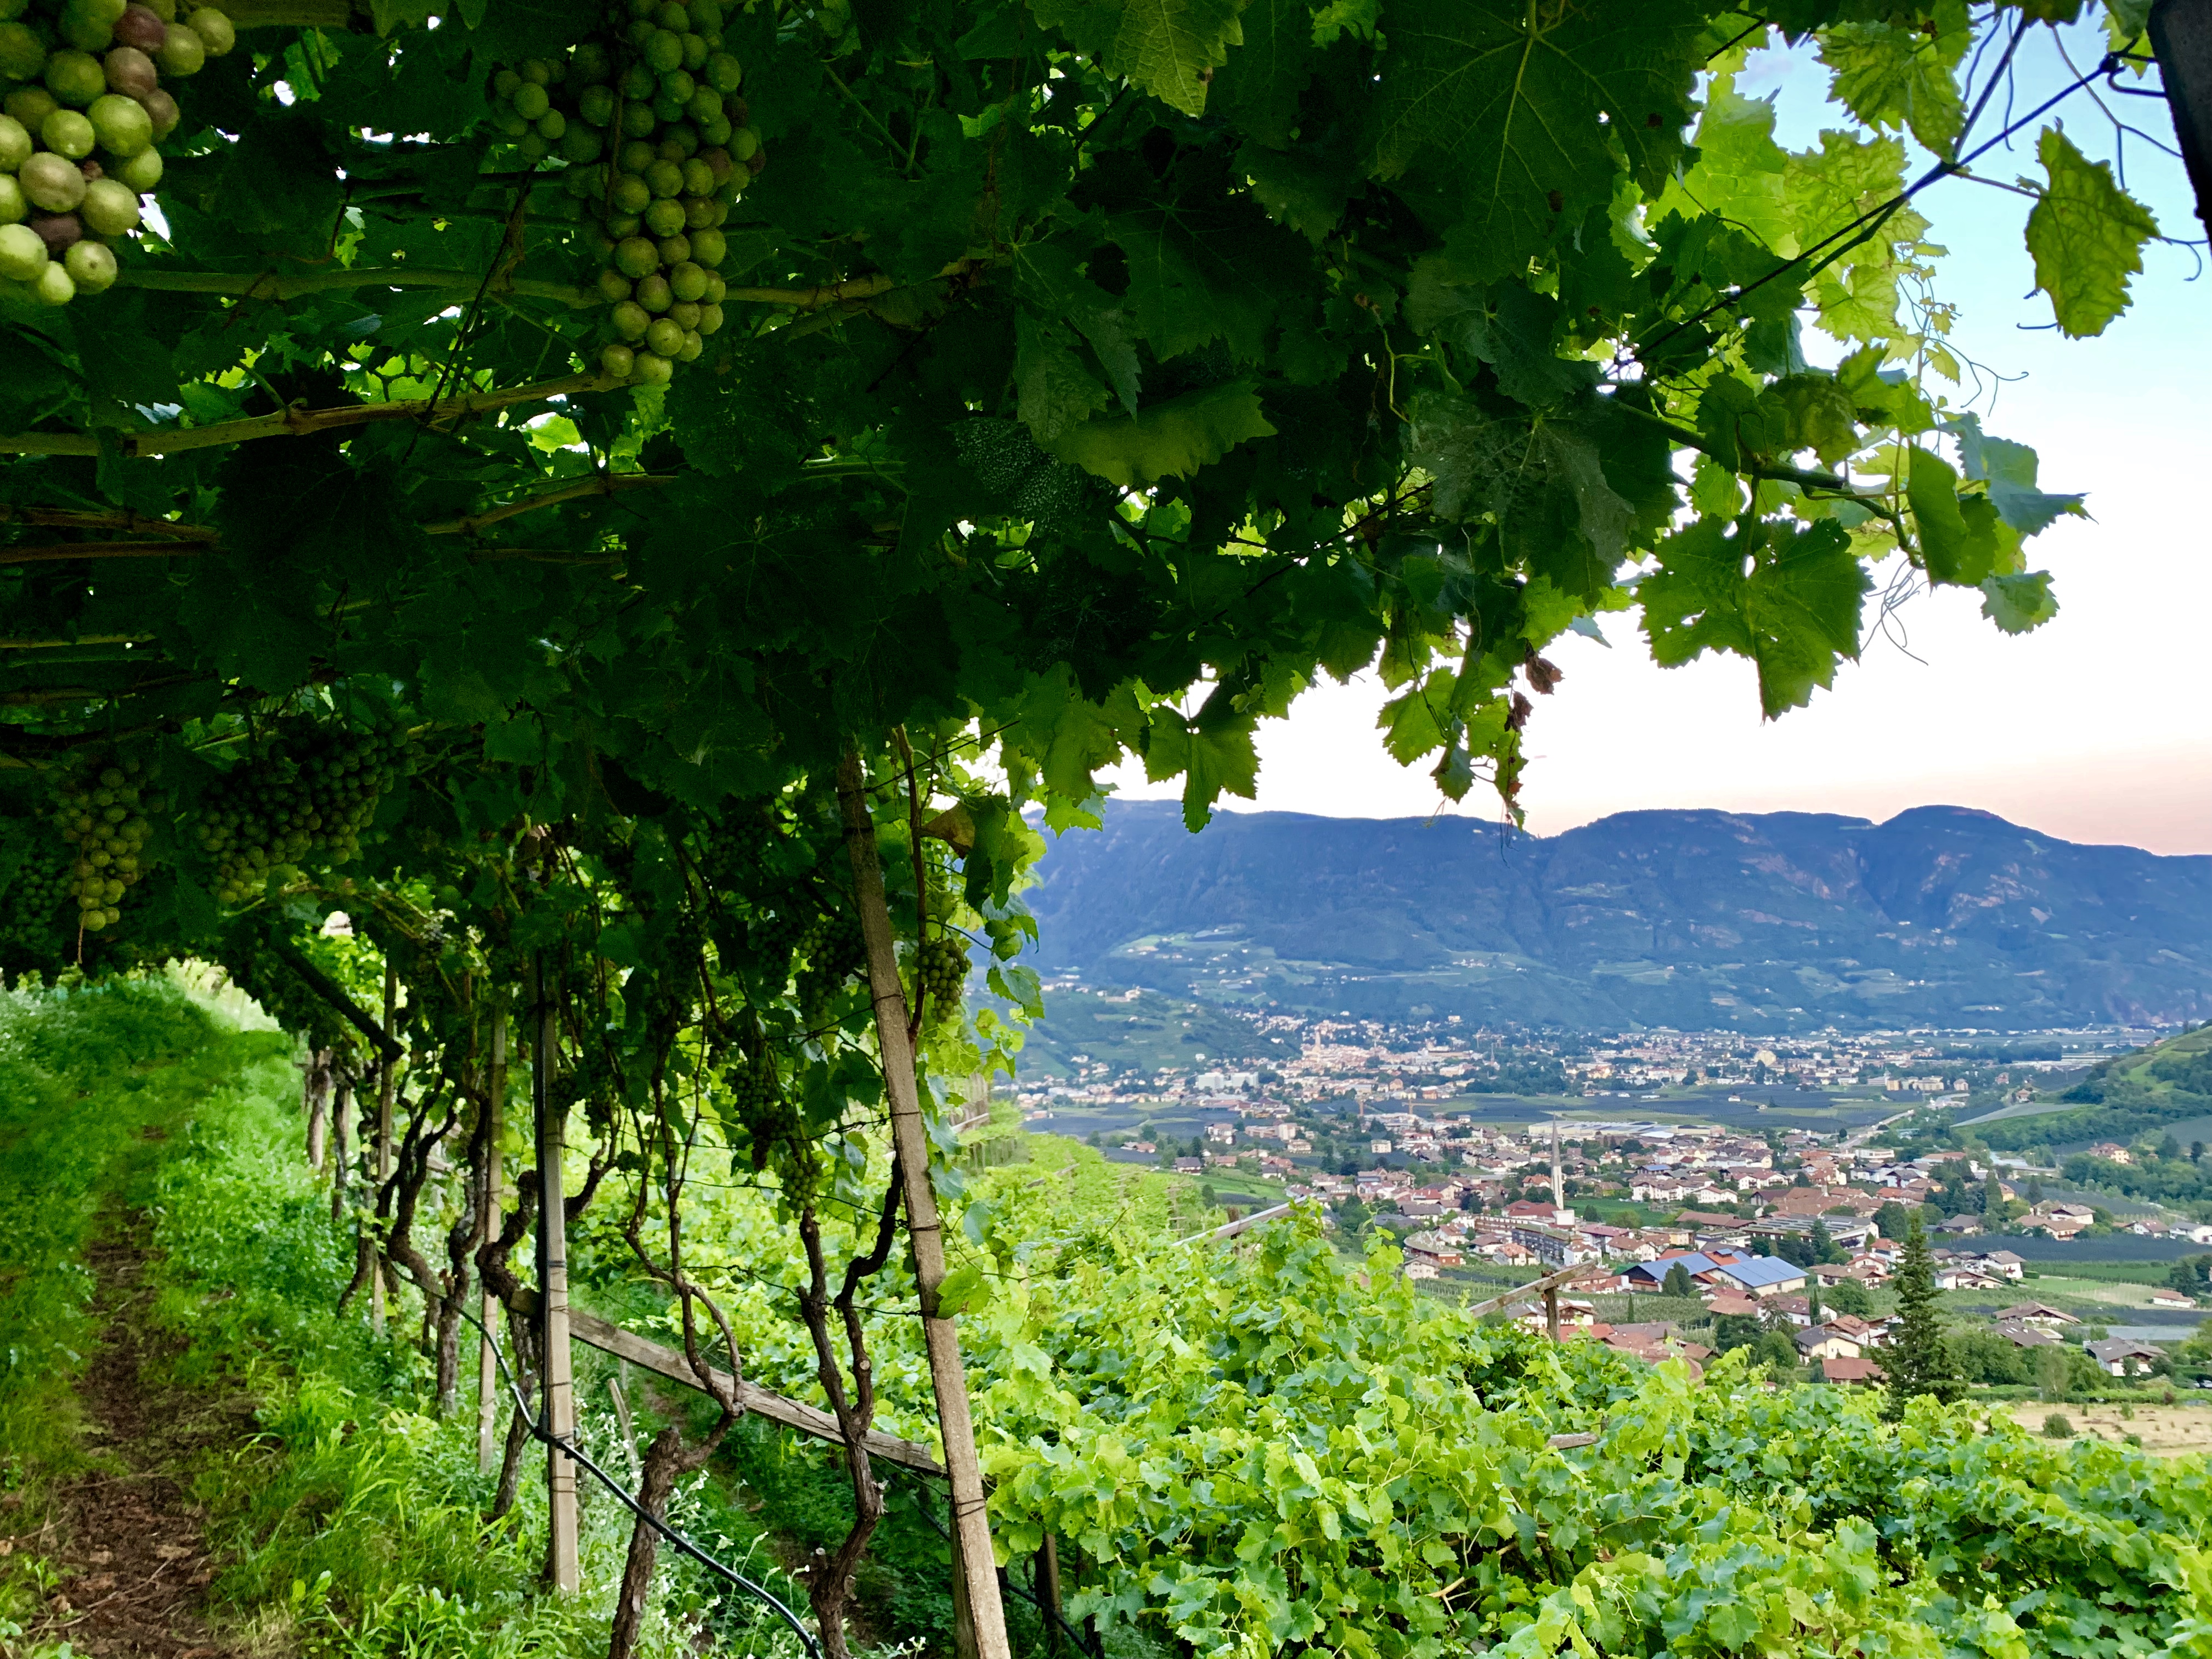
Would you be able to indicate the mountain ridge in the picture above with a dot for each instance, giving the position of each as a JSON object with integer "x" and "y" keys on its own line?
{"x": 1941, "y": 915}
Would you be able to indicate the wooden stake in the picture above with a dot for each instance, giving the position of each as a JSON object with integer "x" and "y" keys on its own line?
{"x": 341, "y": 1147}
{"x": 1047, "y": 1591}
{"x": 977, "y": 1568}
{"x": 559, "y": 1413}
{"x": 315, "y": 1079}
{"x": 629, "y": 1433}
{"x": 384, "y": 1081}
{"x": 488, "y": 1391}
{"x": 963, "y": 1613}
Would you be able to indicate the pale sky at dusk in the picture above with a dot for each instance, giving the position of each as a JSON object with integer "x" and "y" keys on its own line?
{"x": 2097, "y": 727}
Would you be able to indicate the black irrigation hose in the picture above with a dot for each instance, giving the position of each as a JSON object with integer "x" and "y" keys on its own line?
{"x": 569, "y": 1450}
{"x": 1084, "y": 1643}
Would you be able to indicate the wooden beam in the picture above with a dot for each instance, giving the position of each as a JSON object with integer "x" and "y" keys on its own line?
{"x": 663, "y": 1361}
{"x": 1535, "y": 1287}
{"x": 1233, "y": 1228}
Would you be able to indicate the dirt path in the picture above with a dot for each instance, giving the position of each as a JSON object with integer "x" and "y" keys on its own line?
{"x": 136, "y": 1558}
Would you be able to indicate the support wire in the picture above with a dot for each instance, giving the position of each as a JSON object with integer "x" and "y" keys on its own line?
{"x": 684, "y": 1546}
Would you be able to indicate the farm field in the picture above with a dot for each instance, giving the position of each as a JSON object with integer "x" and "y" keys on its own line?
{"x": 2163, "y": 1430}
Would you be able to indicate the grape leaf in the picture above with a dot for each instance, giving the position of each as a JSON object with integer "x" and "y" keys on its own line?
{"x": 1056, "y": 393}
{"x": 1522, "y": 106}
{"x": 1958, "y": 534}
{"x": 1048, "y": 274}
{"x": 1203, "y": 272}
{"x": 1305, "y": 189}
{"x": 1786, "y": 597}
{"x": 2008, "y": 470}
{"x": 1213, "y": 758}
{"x": 508, "y": 31}
{"x": 1168, "y": 48}
{"x": 2086, "y": 235}
{"x": 1167, "y": 440}
{"x": 1257, "y": 90}
{"x": 1891, "y": 75}
{"x": 1740, "y": 176}
{"x": 2019, "y": 602}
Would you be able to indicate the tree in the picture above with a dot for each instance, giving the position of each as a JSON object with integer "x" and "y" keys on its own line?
{"x": 1994, "y": 1204}
{"x": 2169, "y": 1148}
{"x": 1891, "y": 1220}
{"x": 1779, "y": 1353}
{"x": 2054, "y": 1373}
{"x": 1915, "y": 1359}
{"x": 1847, "y": 1296}
{"x": 1813, "y": 1309}
{"x": 1826, "y": 1252}
{"x": 1732, "y": 1331}
{"x": 1678, "y": 1282}
{"x": 1352, "y": 1216}
{"x": 2191, "y": 1275}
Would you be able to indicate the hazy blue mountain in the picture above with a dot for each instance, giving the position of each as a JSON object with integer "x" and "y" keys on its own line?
{"x": 1942, "y": 915}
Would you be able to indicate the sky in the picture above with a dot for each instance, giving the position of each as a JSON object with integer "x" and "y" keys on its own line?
{"x": 2097, "y": 727}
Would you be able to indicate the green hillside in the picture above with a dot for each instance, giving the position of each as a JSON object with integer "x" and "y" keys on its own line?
{"x": 198, "y": 1443}
{"x": 2123, "y": 1099}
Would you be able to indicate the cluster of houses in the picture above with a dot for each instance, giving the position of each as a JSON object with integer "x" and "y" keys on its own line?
{"x": 1841, "y": 1345}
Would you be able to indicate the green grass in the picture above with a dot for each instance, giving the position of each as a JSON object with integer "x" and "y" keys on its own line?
{"x": 2111, "y": 1273}
{"x": 351, "y": 1523}
{"x": 95, "y": 1083}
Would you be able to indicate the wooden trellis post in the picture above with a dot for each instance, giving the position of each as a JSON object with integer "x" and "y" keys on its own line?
{"x": 488, "y": 1381}
{"x": 558, "y": 1410}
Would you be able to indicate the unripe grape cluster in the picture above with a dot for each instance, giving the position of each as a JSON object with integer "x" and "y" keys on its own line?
{"x": 757, "y": 1105}
{"x": 85, "y": 112}
{"x": 310, "y": 794}
{"x": 654, "y": 134}
{"x": 941, "y": 972}
{"x": 833, "y": 951}
{"x": 100, "y": 808}
{"x": 30, "y": 907}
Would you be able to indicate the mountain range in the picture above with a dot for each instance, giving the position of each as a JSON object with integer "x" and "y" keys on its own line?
{"x": 1941, "y": 916}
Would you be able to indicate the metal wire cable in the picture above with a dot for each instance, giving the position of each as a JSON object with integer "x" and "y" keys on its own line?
{"x": 684, "y": 1546}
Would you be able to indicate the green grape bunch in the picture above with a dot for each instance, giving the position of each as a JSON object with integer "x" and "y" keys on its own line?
{"x": 773, "y": 938}
{"x": 85, "y": 113}
{"x": 100, "y": 808}
{"x": 832, "y": 945}
{"x": 757, "y": 1105}
{"x": 833, "y": 950}
{"x": 310, "y": 794}
{"x": 941, "y": 971}
{"x": 647, "y": 121}
{"x": 31, "y": 928}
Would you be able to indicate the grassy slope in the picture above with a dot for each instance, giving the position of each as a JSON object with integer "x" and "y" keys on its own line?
{"x": 353, "y": 1523}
